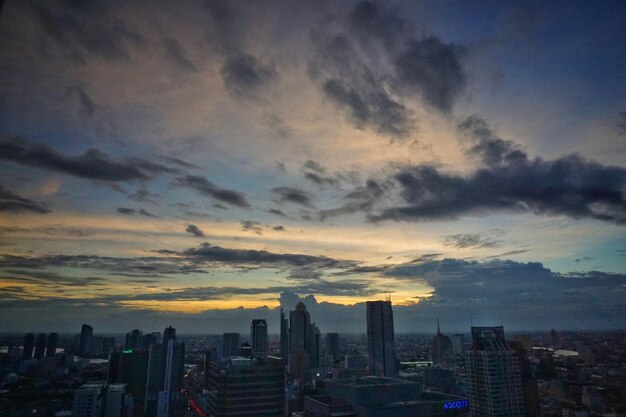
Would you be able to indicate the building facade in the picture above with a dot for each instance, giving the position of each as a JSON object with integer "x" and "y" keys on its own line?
{"x": 380, "y": 339}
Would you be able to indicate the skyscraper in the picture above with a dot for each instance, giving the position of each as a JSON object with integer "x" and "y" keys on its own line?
{"x": 441, "y": 347}
{"x": 29, "y": 345}
{"x": 314, "y": 345}
{"x": 40, "y": 345}
{"x": 231, "y": 344}
{"x": 89, "y": 400}
{"x": 134, "y": 339}
{"x": 284, "y": 335}
{"x": 86, "y": 332}
{"x": 258, "y": 337}
{"x": 380, "y": 339}
{"x": 299, "y": 327}
{"x": 458, "y": 344}
{"x": 332, "y": 345}
{"x": 494, "y": 379}
{"x": 165, "y": 373}
{"x": 51, "y": 348}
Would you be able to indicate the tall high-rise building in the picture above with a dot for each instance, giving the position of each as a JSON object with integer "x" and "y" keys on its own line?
{"x": 231, "y": 344}
{"x": 441, "y": 346}
{"x": 130, "y": 367}
{"x": 134, "y": 339}
{"x": 89, "y": 400}
{"x": 246, "y": 387}
{"x": 458, "y": 344}
{"x": 40, "y": 345}
{"x": 29, "y": 345}
{"x": 380, "y": 339}
{"x": 530, "y": 390}
{"x": 164, "y": 375}
{"x": 314, "y": 346}
{"x": 299, "y": 328}
{"x": 86, "y": 332}
{"x": 284, "y": 335}
{"x": 53, "y": 341}
{"x": 494, "y": 378}
{"x": 332, "y": 345}
{"x": 258, "y": 338}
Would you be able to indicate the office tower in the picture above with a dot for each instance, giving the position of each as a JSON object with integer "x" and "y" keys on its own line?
{"x": 284, "y": 335}
{"x": 130, "y": 367}
{"x": 530, "y": 390}
{"x": 108, "y": 344}
{"x": 115, "y": 401}
{"x": 525, "y": 340}
{"x": 585, "y": 352}
{"x": 246, "y": 387}
{"x": 51, "y": 348}
{"x": 458, "y": 344}
{"x": 332, "y": 345}
{"x": 151, "y": 339}
{"x": 40, "y": 345}
{"x": 165, "y": 373}
{"x": 494, "y": 378}
{"x": 299, "y": 327}
{"x": 441, "y": 346}
{"x": 258, "y": 338}
{"x": 86, "y": 332}
{"x": 94, "y": 346}
{"x": 554, "y": 337}
{"x": 314, "y": 346}
{"x": 380, "y": 339}
{"x": 134, "y": 339}
{"x": 88, "y": 401}
{"x": 245, "y": 350}
{"x": 378, "y": 396}
{"x": 231, "y": 345}
{"x": 29, "y": 345}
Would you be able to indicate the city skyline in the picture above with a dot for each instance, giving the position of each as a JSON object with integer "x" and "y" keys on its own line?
{"x": 206, "y": 164}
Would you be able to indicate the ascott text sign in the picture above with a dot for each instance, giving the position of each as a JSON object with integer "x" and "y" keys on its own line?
{"x": 455, "y": 404}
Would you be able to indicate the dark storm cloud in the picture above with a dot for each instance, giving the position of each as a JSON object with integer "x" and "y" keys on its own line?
{"x": 244, "y": 74}
{"x": 13, "y": 203}
{"x": 374, "y": 58}
{"x": 177, "y": 53}
{"x": 211, "y": 253}
{"x": 93, "y": 164}
{"x": 508, "y": 180}
{"x": 194, "y": 230}
{"x": 292, "y": 195}
{"x": 125, "y": 210}
{"x": 471, "y": 240}
{"x": 207, "y": 188}
{"x": 86, "y": 29}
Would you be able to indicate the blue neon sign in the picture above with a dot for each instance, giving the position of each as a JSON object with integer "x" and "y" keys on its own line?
{"x": 455, "y": 404}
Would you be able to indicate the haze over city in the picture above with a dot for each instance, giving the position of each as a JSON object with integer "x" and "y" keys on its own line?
{"x": 201, "y": 164}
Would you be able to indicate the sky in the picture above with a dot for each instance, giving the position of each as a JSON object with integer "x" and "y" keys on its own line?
{"x": 204, "y": 163}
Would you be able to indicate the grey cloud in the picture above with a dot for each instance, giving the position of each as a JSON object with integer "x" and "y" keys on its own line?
{"x": 362, "y": 199}
{"x": 87, "y": 105}
{"x": 177, "y": 161}
{"x": 374, "y": 59}
{"x": 13, "y": 203}
{"x": 277, "y": 212}
{"x": 143, "y": 195}
{"x": 125, "y": 210}
{"x": 292, "y": 195}
{"x": 252, "y": 226}
{"x": 93, "y": 164}
{"x": 207, "y": 188}
{"x": 178, "y": 54}
{"x": 319, "y": 175}
{"x": 510, "y": 181}
{"x": 509, "y": 253}
{"x": 471, "y": 240}
{"x": 244, "y": 74}
{"x": 279, "y": 228}
{"x": 194, "y": 230}
{"x": 91, "y": 30}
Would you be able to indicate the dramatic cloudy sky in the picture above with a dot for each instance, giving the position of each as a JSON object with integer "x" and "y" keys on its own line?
{"x": 202, "y": 163}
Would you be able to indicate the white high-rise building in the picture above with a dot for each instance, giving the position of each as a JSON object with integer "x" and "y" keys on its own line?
{"x": 88, "y": 400}
{"x": 494, "y": 377}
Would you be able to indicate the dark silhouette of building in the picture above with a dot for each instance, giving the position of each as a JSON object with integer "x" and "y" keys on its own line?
{"x": 246, "y": 387}
{"x": 305, "y": 342}
{"x": 299, "y": 327}
{"x": 494, "y": 379}
{"x": 134, "y": 339}
{"x": 380, "y": 339}
{"x": 441, "y": 346}
{"x": 258, "y": 338}
{"x": 40, "y": 345}
{"x": 53, "y": 341}
{"x": 554, "y": 337}
{"x": 86, "y": 333}
{"x": 284, "y": 335}
{"x": 130, "y": 367}
{"x": 29, "y": 345}
{"x": 333, "y": 347}
{"x": 231, "y": 344}
{"x": 529, "y": 384}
